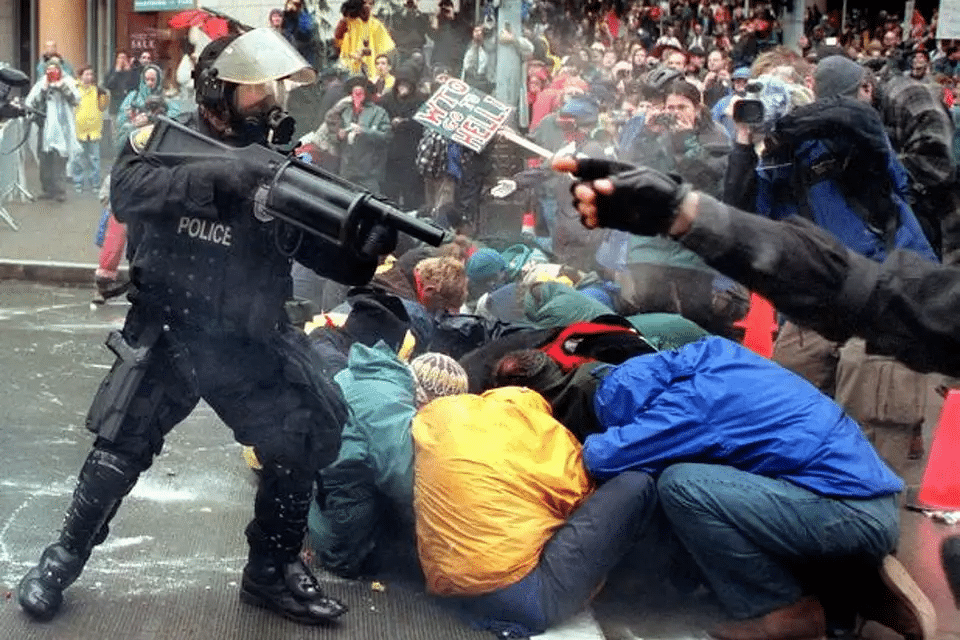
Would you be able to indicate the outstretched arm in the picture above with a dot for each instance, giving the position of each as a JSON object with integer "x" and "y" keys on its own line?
{"x": 907, "y": 306}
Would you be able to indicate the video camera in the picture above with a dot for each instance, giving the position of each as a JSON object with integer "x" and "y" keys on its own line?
{"x": 750, "y": 109}
{"x": 767, "y": 99}
{"x": 299, "y": 193}
{"x": 10, "y": 107}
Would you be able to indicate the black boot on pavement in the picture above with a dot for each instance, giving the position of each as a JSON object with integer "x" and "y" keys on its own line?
{"x": 276, "y": 577}
{"x": 289, "y": 588}
{"x": 104, "y": 480}
{"x": 950, "y": 559}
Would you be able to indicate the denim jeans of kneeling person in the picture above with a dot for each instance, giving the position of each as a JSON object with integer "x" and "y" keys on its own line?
{"x": 573, "y": 563}
{"x": 748, "y": 532}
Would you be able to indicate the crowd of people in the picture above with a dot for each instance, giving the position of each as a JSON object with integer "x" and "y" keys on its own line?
{"x": 526, "y": 405}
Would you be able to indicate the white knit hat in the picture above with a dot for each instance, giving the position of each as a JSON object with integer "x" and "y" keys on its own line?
{"x": 436, "y": 375}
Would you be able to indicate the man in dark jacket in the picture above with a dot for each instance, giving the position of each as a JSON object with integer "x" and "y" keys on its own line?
{"x": 120, "y": 81}
{"x": 409, "y": 30}
{"x": 207, "y": 322}
{"x": 921, "y": 132}
{"x": 404, "y": 184}
{"x": 450, "y": 36}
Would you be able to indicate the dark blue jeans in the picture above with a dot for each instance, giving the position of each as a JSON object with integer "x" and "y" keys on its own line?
{"x": 745, "y": 531}
{"x": 574, "y": 562}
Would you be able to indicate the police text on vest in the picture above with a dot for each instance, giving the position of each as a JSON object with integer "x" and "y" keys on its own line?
{"x": 206, "y": 230}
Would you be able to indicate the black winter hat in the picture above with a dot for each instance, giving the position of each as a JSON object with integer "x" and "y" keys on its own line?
{"x": 359, "y": 81}
{"x": 376, "y": 315}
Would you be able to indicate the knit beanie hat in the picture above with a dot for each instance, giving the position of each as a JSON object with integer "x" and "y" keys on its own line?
{"x": 837, "y": 76}
{"x": 485, "y": 264}
{"x": 437, "y": 375}
{"x": 376, "y": 315}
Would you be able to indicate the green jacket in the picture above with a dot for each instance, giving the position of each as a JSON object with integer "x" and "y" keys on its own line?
{"x": 363, "y": 159}
{"x": 375, "y": 459}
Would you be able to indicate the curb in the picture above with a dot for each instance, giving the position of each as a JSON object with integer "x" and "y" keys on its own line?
{"x": 72, "y": 274}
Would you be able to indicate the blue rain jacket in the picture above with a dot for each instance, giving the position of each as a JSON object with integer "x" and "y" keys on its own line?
{"x": 714, "y": 401}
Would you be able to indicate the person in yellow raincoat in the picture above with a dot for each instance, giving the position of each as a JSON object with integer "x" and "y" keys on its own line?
{"x": 360, "y": 37}
{"x": 509, "y": 524}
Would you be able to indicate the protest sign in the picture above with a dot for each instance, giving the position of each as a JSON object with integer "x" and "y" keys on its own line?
{"x": 463, "y": 114}
{"x": 469, "y": 117}
{"x": 948, "y": 22}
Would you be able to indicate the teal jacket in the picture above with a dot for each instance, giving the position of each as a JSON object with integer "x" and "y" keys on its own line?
{"x": 375, "y": 460}
{"x": 379, "y": 390}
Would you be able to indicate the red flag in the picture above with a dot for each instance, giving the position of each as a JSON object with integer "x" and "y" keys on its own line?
{"x": 918, "y": 25}
{"x": 212, "y": 26}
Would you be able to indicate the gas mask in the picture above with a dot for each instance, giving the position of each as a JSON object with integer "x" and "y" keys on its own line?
{"x": 257, "y": 114}
{"x": 256, "y": 63}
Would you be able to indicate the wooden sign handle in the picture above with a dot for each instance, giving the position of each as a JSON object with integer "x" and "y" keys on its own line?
{"x": 519, "y": 140}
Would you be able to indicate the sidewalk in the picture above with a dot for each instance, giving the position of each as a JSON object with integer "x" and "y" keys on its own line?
{"x": 55, "y": 241}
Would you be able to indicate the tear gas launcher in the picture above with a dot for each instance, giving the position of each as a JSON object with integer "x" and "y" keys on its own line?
{"x": 299, "y": 193}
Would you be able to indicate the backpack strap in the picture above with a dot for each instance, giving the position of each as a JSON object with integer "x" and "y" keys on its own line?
{"x": 563, "y": 347}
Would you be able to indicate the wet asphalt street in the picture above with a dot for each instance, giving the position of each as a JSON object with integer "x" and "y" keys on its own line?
{"x": 171, "y": 565}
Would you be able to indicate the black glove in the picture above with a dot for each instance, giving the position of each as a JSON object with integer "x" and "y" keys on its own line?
{"x": 376, "y": 240}
{"x": 644, "y": 201}
{"x": 589, "y": 169}
{"x": 233, "y": 179}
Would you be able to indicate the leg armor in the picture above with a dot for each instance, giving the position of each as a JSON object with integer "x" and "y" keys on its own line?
{"x": 104, "y": 480}
{"x": 275, "y": 577}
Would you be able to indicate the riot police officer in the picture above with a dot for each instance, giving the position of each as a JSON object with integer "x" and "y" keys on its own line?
{"x": 207, "y": 321}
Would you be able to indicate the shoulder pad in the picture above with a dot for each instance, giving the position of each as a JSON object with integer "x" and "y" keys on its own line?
{"x": 139, "y": 138}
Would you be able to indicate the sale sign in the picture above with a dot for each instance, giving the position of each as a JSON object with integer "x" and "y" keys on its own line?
{"x": 463, "y": 115}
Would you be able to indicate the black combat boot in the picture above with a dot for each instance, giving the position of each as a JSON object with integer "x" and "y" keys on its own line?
{"x": 275, "y": 577}
{"x": 104, "y": 480}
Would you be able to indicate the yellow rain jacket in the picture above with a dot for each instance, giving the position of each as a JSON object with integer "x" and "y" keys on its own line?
{"x": 352, "y": 43}
{"x": 89, "y": 111}
{"x": 494, "y": 476}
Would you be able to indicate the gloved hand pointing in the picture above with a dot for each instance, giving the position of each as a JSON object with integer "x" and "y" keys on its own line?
{"x": 614, "y": 195}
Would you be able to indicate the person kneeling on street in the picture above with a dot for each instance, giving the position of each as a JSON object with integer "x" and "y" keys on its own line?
{"x": 510, "y": 528}
{"x": 816, "y": 457}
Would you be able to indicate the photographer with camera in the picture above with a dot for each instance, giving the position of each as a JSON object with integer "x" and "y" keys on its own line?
{"x": 299, "y": 27}
{"x": 678, "y": 133}
{"x": 831, "y": 162}
{"x": 410, "y": 29}
{"x": 451, "y": 33}
{"x": 716, "y": 82}
{"x": 678, "y": 137}
{"x": 55, "y": 95}
{"x": 361, "y": 38}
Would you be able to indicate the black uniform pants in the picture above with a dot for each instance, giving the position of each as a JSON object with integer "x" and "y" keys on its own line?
{"x": 268, "y": 392}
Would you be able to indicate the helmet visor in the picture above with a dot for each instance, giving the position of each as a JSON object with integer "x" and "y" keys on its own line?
{"x": 262, "y": 55}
